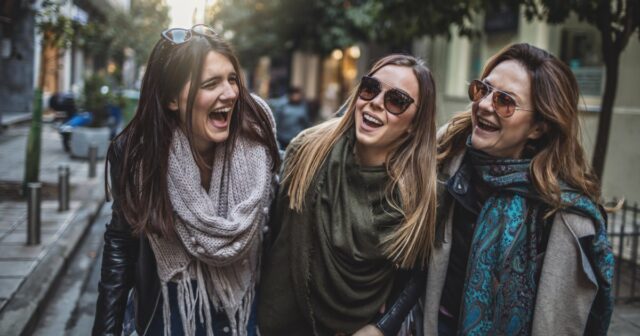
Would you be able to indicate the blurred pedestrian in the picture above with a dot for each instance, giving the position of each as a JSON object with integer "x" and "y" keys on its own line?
{"x": 356, "y": 207}
{"x": 525, "y": 248}
{"x": 292, "y": 116}
{"x": 191, "y": 177}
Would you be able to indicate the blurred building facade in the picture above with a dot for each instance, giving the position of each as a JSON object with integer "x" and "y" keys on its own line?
{"x": 17, "y": 51}
{"x": 26, "y": 64}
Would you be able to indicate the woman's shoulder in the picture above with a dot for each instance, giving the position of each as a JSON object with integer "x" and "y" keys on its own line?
{"x": 579, "y": 224}
{"x": 312, "y": 133}
{"x": 116, "y": 150}
{"x": 265, "y": 107}
{"x": 261, "y": 102}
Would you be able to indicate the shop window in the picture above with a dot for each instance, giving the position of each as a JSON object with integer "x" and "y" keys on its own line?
{"x": 581, "y": 51}
{"x": 475, "y": 60}
{"x": 501, "y": 18}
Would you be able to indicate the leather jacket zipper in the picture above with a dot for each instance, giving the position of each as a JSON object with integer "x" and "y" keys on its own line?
{"x": 153, "y": 314}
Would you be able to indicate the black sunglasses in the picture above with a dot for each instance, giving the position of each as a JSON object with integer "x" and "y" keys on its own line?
{"x": 503, "y": 103}
{"x": 182, "y": 35}
{"x": 396, "y": 101}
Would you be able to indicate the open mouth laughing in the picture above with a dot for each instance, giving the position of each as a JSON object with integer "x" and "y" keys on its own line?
{"x": 220, "y": 117}
{"x": 486, "y": 125}
{"x": 371, "y": 121}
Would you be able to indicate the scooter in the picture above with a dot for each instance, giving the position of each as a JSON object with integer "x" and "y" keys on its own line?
{"x": 66, "y": 129}
{"x": 65, "y": 103}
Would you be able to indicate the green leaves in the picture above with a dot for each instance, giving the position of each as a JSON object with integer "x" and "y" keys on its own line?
{"x": 108, "y": 35}
{"x": 57, "y": 29}
{"x": 279, "y": 26}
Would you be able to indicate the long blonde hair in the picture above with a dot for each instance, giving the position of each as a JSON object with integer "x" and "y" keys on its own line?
{"x": 411, "y": 167}
{"x": 558, "y": 154}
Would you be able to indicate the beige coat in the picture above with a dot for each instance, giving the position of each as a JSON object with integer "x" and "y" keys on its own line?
{"x": 567, "y": 286}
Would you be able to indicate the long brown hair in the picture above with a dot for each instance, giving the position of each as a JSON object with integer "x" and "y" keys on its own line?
{"x": 143, "y": 146}
{"x": 411, "y": 167}
{"x": 556, "y": 156}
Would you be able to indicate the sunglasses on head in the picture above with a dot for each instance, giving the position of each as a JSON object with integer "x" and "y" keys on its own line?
{"x": 503, "y": 103}
{"x": 182, "y": 35}
{"x": 396, "y": 101}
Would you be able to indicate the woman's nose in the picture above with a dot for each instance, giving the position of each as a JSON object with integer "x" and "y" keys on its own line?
{"x": 230, "y": 92}
{"x": 378, "y": 101}
{"x": 486, "y": 102}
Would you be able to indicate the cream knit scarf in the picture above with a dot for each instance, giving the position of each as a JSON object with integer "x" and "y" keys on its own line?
{"x": 220, "y": 233}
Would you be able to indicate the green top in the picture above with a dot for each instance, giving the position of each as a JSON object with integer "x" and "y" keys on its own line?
{"x": 326, "y": 271}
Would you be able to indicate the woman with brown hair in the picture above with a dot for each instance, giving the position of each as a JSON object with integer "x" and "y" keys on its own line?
{"x": 522, "y": 245}
{"x": 357, "y": 203}
{"x": 192, "y": 180}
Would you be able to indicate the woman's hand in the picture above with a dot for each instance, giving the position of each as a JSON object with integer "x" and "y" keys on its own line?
{"x": 369, "y": 330}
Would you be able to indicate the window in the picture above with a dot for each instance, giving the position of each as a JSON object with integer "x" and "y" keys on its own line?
{"x": 581, "y": 51}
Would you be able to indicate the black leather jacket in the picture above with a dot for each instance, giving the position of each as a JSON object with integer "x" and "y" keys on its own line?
{"x": 127, "y": 262}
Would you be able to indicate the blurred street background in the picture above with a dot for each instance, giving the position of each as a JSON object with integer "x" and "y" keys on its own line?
{"x": 70, "y": 74}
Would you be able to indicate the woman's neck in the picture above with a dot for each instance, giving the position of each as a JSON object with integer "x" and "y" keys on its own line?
{"x": 205, "y": 171}
{"x": 368, "y": 156}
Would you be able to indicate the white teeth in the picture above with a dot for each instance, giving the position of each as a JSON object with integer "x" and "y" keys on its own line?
{"x": 372, "y": 119}
{"x": 486, "y": 123}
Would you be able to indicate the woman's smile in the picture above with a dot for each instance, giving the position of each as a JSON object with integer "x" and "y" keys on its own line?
{"x": 219, "y": 118}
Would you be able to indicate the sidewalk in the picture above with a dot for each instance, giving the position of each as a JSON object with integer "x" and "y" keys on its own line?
{"x": 7, "y": 119}
{"x": 28, "y": 272}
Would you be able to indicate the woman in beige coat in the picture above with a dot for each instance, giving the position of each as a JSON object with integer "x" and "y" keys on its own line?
{"x": 521, "y": 242}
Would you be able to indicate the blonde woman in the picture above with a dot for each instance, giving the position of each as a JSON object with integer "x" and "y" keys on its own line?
{"x": 357, "y": 203}
{"x": 524, "y": 250}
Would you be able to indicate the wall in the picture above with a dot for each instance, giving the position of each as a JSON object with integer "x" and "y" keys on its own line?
{"x": 16, "y": 72}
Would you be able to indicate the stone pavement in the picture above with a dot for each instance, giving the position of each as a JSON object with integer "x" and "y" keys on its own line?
{"x": 626, "y": 320}
{"x": 7, "y": 119}
{"x": 28, "y": 272}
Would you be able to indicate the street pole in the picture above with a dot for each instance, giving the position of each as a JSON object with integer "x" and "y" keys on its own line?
{"x": 34, "y": 143}
{"x": 63, "y": 188}
{"x": 33, "y": 213}
{"x": 93, "y": 160}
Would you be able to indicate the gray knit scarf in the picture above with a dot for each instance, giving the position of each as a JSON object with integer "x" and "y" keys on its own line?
{"x": 219, "y": 231}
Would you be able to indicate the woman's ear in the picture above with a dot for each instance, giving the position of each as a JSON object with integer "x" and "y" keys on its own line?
{"x": 538, "y": 130}
{"x": 173, "y": 105}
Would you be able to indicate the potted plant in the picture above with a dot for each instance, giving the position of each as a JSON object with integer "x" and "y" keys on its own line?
{"x": 96, "y": 100}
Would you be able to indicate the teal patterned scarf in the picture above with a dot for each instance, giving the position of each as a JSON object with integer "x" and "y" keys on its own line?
{"x": 503, "y": 268}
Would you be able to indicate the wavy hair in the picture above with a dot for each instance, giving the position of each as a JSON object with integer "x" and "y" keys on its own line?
{"x": 411, "y": 167}
{"x": 143, "y": 146}
{"x": 557, "y": 155}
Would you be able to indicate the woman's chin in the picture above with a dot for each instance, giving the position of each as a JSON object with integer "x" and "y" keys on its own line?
{"x": 218, "y": 136}
{"x": 481, "y": 142}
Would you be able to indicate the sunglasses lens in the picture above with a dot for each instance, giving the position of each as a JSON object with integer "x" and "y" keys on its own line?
{"x": 477, "y": 90}
{"x": 504, "y": 104}
{"x": 177, "y": 35}
{"x": 369, "y": 88}
{"x": 204, "y": 30}
{"x": 396, "y": 102}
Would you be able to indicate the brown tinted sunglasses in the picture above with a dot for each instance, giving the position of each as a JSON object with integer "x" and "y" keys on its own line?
{"x": 396, "y": 101}
{"x": 503, "y": 103}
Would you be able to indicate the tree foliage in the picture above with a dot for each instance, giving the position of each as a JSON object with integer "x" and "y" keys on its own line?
{"x": 275, "y": 27}
{"x": 138, "y": 29}
{"x": 148, "y": 18}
